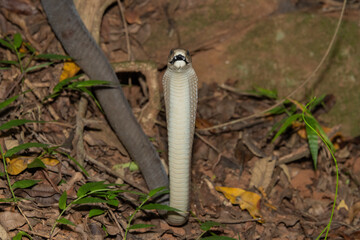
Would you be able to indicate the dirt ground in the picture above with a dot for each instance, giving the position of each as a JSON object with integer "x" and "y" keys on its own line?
{"x": 237, "y": 46}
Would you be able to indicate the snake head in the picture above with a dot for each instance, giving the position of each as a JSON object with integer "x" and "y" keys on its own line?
{"x": 179, "y": 58}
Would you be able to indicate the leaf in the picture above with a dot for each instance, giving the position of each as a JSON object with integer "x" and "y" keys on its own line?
{"x": 206, "y": 226}
{"x": 60, "y": 86}
{"x": 286, "y": 124}
{"x": 141, "y": 225}
{"x": 85, "y": 90}
{"x": 69, "y": 70}
{"x": 65, "y": 221}
{"x": 20, "y": 234}
{"x": 62, "y": 200}
{"x": 50, "y": 161}
{"x": 25, "y": 183}
{"x": 157, "y": 206}
{"x": 262, "y": 92}
{"x": 17, "y": 122}
{"x": 39, "y": 66}
{"x": 51, "y": 56}
{"x": 158, "y": 190}
{"x": 17, "y": 165}
{"x": 247, "y": 200}
{"x": 113, "y": 202}
{"x": 7, "y": 44}
{"x": 24, "y": 146}
{"x": 261, "y": 173}
{"x": 8, "y": 62}
{"x": 17, "y": 40}
{"x": 90, "y": 200}
{"x": 95, "y": 212}
{"x": 88, "y": 83}
{"x": 312, "y": 138}
{"x": 8, "y": 101}
{"x": 37, "y": 163}
{"x": 131, "y": 165}
{"x": 90, "y": 186}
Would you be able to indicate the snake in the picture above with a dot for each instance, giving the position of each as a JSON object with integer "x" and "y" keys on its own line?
{"x": 180, "y": 94}
{"x": 180, "y": 83}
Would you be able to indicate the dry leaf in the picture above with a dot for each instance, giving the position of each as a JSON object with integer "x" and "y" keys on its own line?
{"x": 262, "y": 172}
{"x": 11, "y": 220}
{"x": 354, "y": 210}
{"x": 18, "y": 164}
{"x": 247, "y": 200}
{"x": 69, "y": 70}
{"x": 342, "y": 204}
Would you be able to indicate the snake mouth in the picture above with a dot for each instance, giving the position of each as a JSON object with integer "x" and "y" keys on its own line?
{"x": 178, "y": 57}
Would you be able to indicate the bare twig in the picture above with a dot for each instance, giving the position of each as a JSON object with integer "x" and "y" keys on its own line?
{"x": 121, "y": 7}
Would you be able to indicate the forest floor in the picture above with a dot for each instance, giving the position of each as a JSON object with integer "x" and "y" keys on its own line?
{"x": 246, "y": 184}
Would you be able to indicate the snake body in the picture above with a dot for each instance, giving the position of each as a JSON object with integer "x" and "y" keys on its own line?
{"x": 180, "y": 92}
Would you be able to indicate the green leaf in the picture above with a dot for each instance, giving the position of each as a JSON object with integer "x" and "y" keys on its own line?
{"x": 131, "y": 165}
{"x": 17, "y": 122}
{"x": 8, "y": 62}
{"x": 7, "y": 44}
{"x": 140, "y": 225}
{"x": 88, "y": 83}
{"x": 85, "y": 90}
{"x": 157, "y": 206}
{"x": 51, "y": 56}
{"x": 20, "y": 234}
{"x": 24, "y": 146}
{"x": 17, "y": 40}
{"x": 286, "y": 124}
{"x": 95, "y": 212}
{"x": 62, "y": 200}
{"x": 8, "y": 101}
{"x": 90, "y": 200}
{"x": 37, "y": 163}
{"x": 65, "y": 221}
{"x": 218, "y": 238}
{"x": 90, "y": 186}
{"x": 312, "y": 138}
{"x": 206, "y": 226}
{"x": 113, "y": 202}
{"x": 158, "y": 190}
{"x": 39, "y": 66}
{"x": 25, "y": 183}
{"x": 315, "y": 102}
{"x": 61, "y": 85}
{"x": 262, "y": 92}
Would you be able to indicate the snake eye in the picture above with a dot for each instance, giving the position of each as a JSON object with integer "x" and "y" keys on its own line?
{"x": 187, "y": 53}
{"x": 171, "y": 51}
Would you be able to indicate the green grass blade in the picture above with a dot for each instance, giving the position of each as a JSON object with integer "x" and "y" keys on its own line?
{"x": 8, "y": 101}
{"x": 90, "y": 200}
{"x": 39, "y": 66}
{"x": 312, "y": 138}
{"x": 9, "y": 62}
{"x": 88, "y": 83}
{"x": 51, "y": 56}
{"x": 24, "y": 146}
{"x": 7, "y": 44}
{"x": 286, "y": 124}
{"x": 17, "y": 122}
